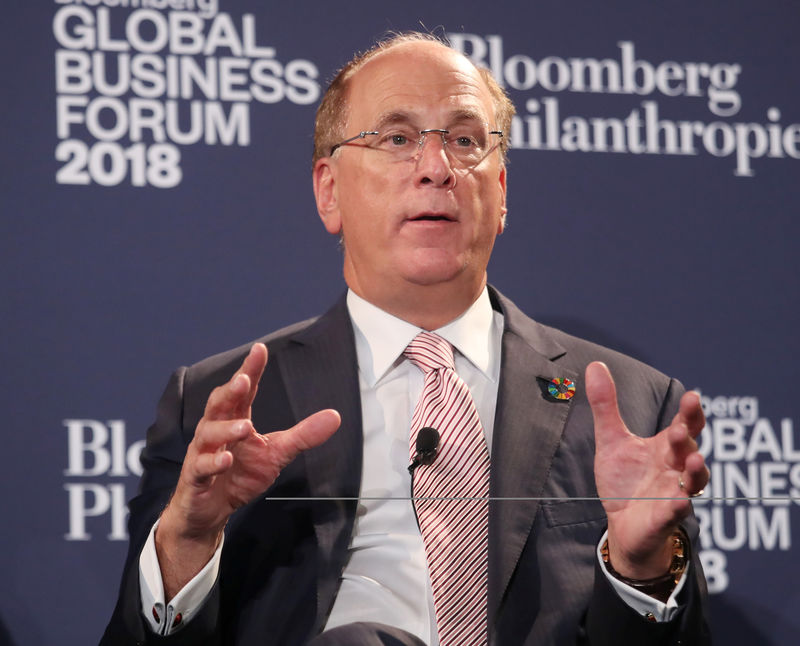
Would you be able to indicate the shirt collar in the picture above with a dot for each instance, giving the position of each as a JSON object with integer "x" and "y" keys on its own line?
{"x": 381, "y": 337}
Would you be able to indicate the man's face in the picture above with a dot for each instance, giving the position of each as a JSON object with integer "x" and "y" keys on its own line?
{"x": 419, "y": 222}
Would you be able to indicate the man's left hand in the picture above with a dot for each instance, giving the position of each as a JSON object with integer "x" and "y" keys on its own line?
{"x": 644, "y": 483}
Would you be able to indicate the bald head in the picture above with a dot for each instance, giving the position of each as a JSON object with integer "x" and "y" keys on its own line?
{"x": 332, "y": 122}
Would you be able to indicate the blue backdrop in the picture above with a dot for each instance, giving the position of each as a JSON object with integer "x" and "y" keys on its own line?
{"x": 157, "y": 208}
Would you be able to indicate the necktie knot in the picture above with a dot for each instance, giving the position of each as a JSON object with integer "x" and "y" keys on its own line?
{"x": 429, "y": 352}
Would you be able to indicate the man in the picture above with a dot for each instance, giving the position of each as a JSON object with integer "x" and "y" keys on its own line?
{"x": 409, "y": 170}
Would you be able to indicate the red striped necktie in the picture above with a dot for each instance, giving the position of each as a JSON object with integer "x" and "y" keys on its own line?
{"x": 451, "y": 495}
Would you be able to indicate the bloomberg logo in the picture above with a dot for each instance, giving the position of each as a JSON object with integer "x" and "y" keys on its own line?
{"x": 650, "y": 123}
{"x": 98, "y": 460}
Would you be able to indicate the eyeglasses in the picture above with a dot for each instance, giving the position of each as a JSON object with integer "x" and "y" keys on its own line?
{"x": 465, "y": 145}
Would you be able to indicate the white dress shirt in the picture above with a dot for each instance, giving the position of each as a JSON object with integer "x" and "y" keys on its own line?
{"x": 386, "y": 577}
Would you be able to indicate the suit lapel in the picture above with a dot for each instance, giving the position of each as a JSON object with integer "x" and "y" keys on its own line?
{"x": 320, "y": 371}
{"x": 527, "y": 432}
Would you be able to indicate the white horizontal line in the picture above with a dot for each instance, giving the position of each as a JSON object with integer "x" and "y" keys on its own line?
{"x": 539, "y": 498}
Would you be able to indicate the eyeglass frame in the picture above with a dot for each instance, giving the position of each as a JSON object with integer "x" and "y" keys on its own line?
{"x": 423, "y": 135}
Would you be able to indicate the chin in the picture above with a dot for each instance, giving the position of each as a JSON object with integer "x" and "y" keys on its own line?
{"x": 435, "y": 271}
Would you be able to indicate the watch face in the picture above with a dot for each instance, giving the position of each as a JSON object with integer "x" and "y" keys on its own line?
{"x": 680, "y": 554}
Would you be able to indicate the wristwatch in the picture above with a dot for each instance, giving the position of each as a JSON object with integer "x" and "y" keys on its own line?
{"x": 662, "y": 586}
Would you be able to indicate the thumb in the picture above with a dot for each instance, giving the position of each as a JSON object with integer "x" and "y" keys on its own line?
{"x": 306, "y": 434}
{"x": 602, "y": 395}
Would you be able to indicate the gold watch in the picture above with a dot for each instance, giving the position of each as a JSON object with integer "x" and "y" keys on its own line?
{"x": 662, "y": 586}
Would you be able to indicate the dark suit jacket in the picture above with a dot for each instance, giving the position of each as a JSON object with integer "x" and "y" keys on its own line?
{"x": 284, "y": 554}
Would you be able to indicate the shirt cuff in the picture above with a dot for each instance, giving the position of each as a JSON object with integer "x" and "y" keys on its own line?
{"x": 640, "y": 602}
{"x": 166, "y": 619}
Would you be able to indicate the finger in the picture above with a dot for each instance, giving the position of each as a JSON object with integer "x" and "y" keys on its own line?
{"x": 602, "y": 395}
{"x": 691, "y": 414}
{"x": 233, "y": 399}
{"x": 212, "y": 435}
{"x": 695, "y": 475}
{"x": 679, "y": 446}
{"x": 227, "y": 400}
{"x": 310, "y": 432}
{"x": 253, "y": 366}
{"x": 207, "y": 465}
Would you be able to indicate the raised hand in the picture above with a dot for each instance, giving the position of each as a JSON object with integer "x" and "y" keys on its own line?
{"x": 645, "y": 483}
{"x": 227, "y": 464}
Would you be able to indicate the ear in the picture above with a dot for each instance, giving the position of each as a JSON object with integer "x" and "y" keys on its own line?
{"x": 324, "y": 177}
{"x": 501, "y": 225}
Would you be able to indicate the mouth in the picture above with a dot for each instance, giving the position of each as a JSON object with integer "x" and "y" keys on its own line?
{"x": 432, "y": 217}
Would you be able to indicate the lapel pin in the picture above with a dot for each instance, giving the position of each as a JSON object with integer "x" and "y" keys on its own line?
{"x": 561, "y": 388}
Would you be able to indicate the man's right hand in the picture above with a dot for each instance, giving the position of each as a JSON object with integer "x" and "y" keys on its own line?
{"x": 227, "y": 464}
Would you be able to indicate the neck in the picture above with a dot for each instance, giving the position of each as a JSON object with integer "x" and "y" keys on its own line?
{"x": 426, "y": 306}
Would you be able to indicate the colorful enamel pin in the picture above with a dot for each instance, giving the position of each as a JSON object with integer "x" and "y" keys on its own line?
{"x": 561, "y": 388}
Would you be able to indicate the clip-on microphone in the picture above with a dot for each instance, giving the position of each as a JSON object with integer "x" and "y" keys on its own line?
{"x": 427, "y": 448}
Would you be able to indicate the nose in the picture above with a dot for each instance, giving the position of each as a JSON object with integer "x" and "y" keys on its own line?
{"x": 433, "y": 165}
